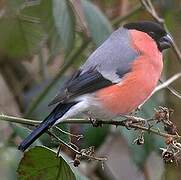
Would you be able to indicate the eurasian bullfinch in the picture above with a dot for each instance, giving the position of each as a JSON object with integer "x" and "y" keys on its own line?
{"x": 117, "y": 77}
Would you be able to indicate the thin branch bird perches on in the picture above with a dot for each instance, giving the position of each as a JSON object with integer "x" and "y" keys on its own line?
{"x": 161, "y": 116}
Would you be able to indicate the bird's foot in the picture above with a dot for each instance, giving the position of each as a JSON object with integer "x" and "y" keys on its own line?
{"x": 94, "y": 122}
{"x": 128, "y": 122}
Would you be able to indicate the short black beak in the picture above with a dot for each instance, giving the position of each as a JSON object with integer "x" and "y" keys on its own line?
{"x": 165, "y": 42}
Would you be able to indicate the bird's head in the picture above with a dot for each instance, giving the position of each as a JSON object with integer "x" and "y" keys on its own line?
{"x": 155, "y": 30}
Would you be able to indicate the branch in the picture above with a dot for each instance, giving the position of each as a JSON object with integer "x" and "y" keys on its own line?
{"x": 28, "y": 122}
{"x": 81, "y": 154}
{"x": 167, "y": 83}
{"x": 129, "y": 122}
{"x": 120, "y": 19}
{"x": 84, "y": 153}
{"x": 162, "y": 115}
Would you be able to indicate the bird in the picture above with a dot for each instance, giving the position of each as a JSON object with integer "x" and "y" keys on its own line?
{"x": 116, "y": 78}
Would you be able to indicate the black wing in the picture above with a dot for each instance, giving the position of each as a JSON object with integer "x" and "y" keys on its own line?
{"x": 81, "y": 83}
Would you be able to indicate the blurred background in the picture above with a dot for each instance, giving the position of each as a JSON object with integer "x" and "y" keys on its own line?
{"x": 42, "y": 42}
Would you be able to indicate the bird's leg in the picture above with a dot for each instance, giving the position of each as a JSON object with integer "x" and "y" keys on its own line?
{"x": 127, "y": 124}
{"x": 93, "y": 120}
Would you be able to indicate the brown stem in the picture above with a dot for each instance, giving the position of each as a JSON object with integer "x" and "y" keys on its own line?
{"x": 131, "y": 119}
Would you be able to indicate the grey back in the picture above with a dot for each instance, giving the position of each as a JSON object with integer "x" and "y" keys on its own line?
{"x": 114, "y": 57}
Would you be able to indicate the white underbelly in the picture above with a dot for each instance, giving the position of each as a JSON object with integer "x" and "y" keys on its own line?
{"x": 89, "y": 105}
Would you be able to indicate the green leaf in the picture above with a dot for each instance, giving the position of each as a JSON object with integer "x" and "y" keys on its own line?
{"x": 54, "y": 45}
{"x": 64, "y": 22}
{"x": 93, "y": 136}
{"x": 99, "y": 26}
{"x": 77, "y": 173}
{"x": 42, "y": 163}
{"x": 21, "y": 35}
{"x": 42, "y": 10}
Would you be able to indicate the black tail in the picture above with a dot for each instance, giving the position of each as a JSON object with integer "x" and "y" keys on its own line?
{"x": 57, "y": 113}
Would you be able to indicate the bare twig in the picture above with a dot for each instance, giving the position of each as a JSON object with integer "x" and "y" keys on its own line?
{"x": 78, "y": 136}
{"x": 162, "y": 115}
{"x": 174, "y": 92}
{"x": 82, "y": 154}
{"x": 116, "y": 22}
{"x": 62, "y": 142}
{"x": 28, "y": 122}
{"x": 131, "y": 122}
{"x": 150, "y": 8}
{"x": 167, "y": 83}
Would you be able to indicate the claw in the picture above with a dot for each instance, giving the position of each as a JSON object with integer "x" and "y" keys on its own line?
{"x": 149, "y": 127}
{"x": 127, "y": 124}
{"x": 94, "y": 122}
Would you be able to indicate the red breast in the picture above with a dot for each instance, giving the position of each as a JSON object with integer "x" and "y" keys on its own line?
{"x": 137, "y": 85}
